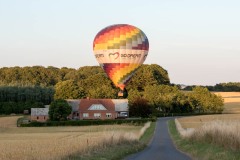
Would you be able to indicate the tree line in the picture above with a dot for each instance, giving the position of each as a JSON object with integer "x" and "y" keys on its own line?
{"x": 22, "y": 87}
{"x": 221, "y": 87}
{"x": 16, "y": 99}
{"x": 157, "y": 99}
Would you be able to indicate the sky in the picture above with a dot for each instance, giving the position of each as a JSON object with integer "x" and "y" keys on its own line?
{"x": 197, "y": 42}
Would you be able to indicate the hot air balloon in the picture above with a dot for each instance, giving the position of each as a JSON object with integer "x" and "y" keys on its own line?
{"x": 120, "y": 50}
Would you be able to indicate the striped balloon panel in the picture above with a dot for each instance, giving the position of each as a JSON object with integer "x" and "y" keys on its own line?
{"x": 121, "y": 36}
{"x": 120, "y": 73}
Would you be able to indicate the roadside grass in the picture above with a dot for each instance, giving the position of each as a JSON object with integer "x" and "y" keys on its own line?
{"x": 116, "y": 151}
{"x": 201, "y": 150}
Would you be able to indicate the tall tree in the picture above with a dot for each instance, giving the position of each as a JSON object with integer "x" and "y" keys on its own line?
{"x": 140, "y": 108}
{"x": 68, "y": 90}
{"x": 148, "y": 75}
{"x": 59, "y": 110}
{"x": 206, "y": 101}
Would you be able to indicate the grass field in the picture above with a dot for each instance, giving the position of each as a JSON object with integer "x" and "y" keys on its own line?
{"x": 59, "y": 142}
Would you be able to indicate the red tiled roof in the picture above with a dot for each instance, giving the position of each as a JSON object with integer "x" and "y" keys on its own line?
{"x": 86, "y": 103}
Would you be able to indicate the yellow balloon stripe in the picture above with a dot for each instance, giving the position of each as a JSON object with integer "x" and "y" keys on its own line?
{"x": 122, "y": 72}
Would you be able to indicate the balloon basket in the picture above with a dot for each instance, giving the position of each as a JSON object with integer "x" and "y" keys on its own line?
{"x": 123, "y": 93}
{"x": 120, "y": 94}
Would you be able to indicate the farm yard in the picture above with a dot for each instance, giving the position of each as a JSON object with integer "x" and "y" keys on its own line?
{"x": 59, "y": 142}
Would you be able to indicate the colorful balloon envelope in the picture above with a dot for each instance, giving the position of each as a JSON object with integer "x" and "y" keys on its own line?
{"x": 120, "y": 50}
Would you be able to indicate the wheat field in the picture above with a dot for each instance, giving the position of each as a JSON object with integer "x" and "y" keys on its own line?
{"x": 225, "y": 133}
{"x": 52, "y": 143}
{"x": 231, "y": 112}
{"x": 198, "y": 121}
{"x": 222, "y": 130}
{"x": 231, "y": 101}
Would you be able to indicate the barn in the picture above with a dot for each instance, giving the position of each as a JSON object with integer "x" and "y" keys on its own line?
{"x": 39, "y": 114}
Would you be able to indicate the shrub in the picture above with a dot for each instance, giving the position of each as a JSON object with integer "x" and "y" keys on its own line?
{"x": 88, "y": 122}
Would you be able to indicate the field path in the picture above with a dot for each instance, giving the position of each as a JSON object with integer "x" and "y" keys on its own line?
{"x": 161, "y": 146}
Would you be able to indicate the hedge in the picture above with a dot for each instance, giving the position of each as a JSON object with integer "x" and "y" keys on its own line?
{"x": 87, "y": 122}
{"x": 183, "y": 114}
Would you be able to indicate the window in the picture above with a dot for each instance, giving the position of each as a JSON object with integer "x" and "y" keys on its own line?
{"x": 43, "y": 117}
{"x": 85, "y": 115}
{"x": 97, "y": 107}
{"x": 97, "y": 115}
{"x": 37, "y": 117}
{"x": 108, "y": 115}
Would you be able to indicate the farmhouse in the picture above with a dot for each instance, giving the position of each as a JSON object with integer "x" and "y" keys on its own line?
{"x": 39, "y": 114}
{"x": 98, "y": 108}
{"x": 88, "y": 109}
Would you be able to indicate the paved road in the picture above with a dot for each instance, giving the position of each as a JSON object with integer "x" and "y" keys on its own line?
{"x": 161, "y": 147}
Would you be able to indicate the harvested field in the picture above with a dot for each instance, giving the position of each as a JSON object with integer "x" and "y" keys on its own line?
{"x": 59, "y": 142}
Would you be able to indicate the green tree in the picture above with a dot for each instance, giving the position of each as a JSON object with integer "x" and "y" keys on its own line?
{"x": 68, "y": 90}
{"x": 161, "y": 96}
{"x": 206, "y": 101}
{"x": 148, "y": 75}
{"x": 59, "y": 110}
{"x": 133, "y": 94}
{"x": 140, "y": 108}
{"x": 102, "y": 91}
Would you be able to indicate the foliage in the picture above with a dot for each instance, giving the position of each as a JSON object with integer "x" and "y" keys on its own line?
{"x": 206, "y": 101}
{"x": 161, "y": 96}
{"x": 68, "y": 90}
{"x": 59, "y": 110}
{"x": 88, "y": 81}
{"x": 148, "y": 75}
{"x": 20, "y": 85}
{"x": 133, "y": 94}
{"x": 140, "y": 108}
{"x": 221, "y": 87}
{"x": 36, "y": 75}
{"x": 165, "y": 99}
{"x": 26, "y": 93}
{"x": 18, "y": 107}
{"x": 88, "y": 122}
{"x": 16, "y": 99}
